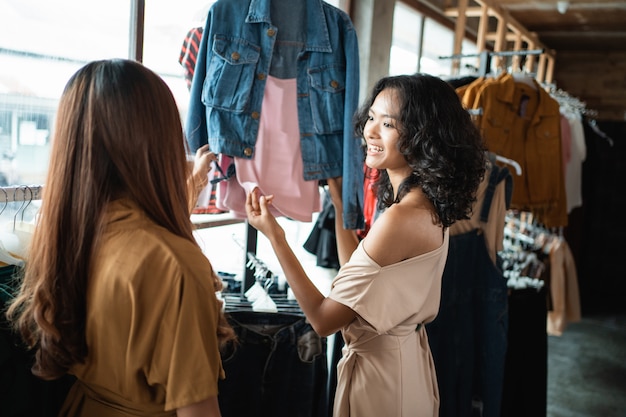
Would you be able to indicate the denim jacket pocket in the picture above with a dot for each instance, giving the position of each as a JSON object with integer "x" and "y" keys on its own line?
{"x": 230, "y": 73}
{"x": 327, "y": 91}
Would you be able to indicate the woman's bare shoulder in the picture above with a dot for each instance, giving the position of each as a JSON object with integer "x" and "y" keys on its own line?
{"x": 402, "y": 232}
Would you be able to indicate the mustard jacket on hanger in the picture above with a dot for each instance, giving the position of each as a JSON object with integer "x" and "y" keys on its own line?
{"x": 524, "y": 124}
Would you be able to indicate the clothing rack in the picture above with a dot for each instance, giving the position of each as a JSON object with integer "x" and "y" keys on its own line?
{"x": 14, "y": 241}
{"x": 485, "y": 57}
{"x": 251, "y": 248}
{"x": 30, "y": 193}
{"x": 21, "y": 193}
{"x": 266, "y": 293}
{"x": 34, "y": 192}
{"x": 508, "y": 161}
{"x": 524, "y": 238}
{"x": 575, "y": 104}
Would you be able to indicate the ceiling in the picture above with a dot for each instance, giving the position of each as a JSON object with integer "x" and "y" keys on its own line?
{"x": 573, "y": 25}
{"x": 560, "y": 25}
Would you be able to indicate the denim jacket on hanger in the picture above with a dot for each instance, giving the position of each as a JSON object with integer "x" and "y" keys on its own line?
{"x": 233, "y": 62}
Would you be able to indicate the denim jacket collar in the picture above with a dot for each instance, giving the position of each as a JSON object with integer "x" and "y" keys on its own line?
{"x": 316, "y": 40}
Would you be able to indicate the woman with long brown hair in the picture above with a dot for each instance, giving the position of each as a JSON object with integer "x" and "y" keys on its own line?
{"x": 115, "y": 290}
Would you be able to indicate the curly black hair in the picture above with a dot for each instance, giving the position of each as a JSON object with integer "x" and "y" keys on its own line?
{"x": 439, "y": 141}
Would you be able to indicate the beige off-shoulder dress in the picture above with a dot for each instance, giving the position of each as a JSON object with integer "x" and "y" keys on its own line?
{"x": 387, "y": 368}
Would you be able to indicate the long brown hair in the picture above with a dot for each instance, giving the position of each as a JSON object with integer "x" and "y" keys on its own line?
{"x": 117, "y": 134}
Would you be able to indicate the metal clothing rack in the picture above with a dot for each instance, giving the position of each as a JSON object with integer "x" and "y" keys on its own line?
{"x": 20, "y": 193}
{"x": 27, "y": 193}
{"x": 484, "y": 67}
{"x": 260, "y": 274}
{"x": 251, "y": 248}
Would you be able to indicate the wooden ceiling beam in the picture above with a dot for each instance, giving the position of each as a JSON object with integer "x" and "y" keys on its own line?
{"x": 469, "y": 12}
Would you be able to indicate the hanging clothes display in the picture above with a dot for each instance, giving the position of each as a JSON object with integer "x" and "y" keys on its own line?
{"x": 540, "y": 273}
{"x": 189, "y": 53}
{"x": 537, "y": 131}
{"x": 565, "y": 297}
{"x": 468, "y": 338}
{"x": 278, "y": 365}
{"x": 305, "y": 50}
{"x": 573, "y": 143}
{"x": 322, "y": 241}
{"x": 521, "y": 121}
{"x": 524, "y": 392}
{"x": 370, "y": 201}
{"x": 21, "y": 392}
{"x": 276, "y": 369}
{"x": 187, "y": 59}
{"x": 577, "y": 155}
{"x": 527, "y": 270}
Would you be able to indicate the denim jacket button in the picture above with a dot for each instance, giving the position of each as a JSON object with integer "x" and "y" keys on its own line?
{"x": 334, "y": 84}
{"x": 255, "y": 115}
{"x": 260, "y": 76}
{"x": 235, "y": 56}
{"x": 271, "y": 32}
{"x": 247, "y": 152}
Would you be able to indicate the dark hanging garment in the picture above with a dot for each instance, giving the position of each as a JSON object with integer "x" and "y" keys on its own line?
{"x": 322, "y": 240}
{"x": 526, "y": 370}
{"x": 277, "y": 368}
{"x": 468, "y": 338}
{"x": 21, "y": 393}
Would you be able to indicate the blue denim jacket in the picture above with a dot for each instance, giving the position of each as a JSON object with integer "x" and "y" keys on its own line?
{"x": 233, "y": 62}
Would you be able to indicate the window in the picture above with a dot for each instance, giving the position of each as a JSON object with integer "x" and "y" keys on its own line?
{"x": 418, "y": 43}
{"x": 166, "y": 26}
{"x": 438, "y": 41}
{"x": 42, "y": 44}
{"x": 406, "y": 40}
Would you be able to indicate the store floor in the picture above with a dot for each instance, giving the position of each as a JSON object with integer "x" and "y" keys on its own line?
{"x": 587, "y": 368}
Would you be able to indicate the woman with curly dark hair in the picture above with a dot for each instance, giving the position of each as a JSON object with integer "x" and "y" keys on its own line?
{"x": 431, "y": 160}
{"x": 116, "y": 291}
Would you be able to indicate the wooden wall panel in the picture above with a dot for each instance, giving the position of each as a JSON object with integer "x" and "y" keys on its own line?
{"x": 597, "y": 78}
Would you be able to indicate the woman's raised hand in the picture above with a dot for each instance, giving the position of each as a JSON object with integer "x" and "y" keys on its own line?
{"x": 259, "y": 215}
{"x": 202, "y": 163}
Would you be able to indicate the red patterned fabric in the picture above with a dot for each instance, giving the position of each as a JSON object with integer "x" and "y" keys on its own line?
{"x": 369, "y": 199}
{"x": 189, "y": 52}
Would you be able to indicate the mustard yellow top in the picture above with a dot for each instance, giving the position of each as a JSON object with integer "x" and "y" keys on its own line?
{"x": 151, "y": 323}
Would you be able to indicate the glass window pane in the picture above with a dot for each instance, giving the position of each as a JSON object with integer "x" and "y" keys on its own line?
{"x": 341, "y": 4}
{"x": 167, "y": 24}
{"x": 405, "y": 41}
{"x": 469, "y": 66}
{"x": 42, "y": 43}
{"x": 438, "y": 41}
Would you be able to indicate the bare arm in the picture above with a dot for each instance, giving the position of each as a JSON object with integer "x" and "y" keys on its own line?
{"x": 347, "y": 240}
{"x": 325, "y": 315}
{"x": 207, "y": 408}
